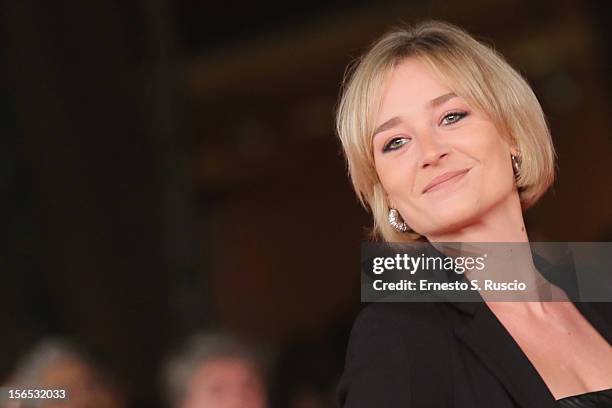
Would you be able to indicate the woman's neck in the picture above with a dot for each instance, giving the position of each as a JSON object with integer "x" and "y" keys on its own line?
{"x": 501, "y": 234}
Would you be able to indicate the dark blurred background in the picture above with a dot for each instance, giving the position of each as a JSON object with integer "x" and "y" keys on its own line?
{"x": 167, "y": 166}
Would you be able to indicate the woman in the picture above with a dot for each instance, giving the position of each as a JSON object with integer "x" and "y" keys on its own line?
{"x": 446, "y": 142}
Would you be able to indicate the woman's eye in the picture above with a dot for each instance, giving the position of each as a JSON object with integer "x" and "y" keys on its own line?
{"x": 395, "y": 143}
{"x": 452, "y": 117}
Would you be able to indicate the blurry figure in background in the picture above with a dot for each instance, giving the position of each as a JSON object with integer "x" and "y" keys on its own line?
{"x": 215, "y": 371}
{"x": 59, "y": 364}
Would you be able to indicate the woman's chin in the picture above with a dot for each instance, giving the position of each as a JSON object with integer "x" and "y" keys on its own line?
{"x": 450, "y": 222}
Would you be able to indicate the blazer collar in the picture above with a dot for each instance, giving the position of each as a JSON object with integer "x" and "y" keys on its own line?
{"x": 490, "y": 341}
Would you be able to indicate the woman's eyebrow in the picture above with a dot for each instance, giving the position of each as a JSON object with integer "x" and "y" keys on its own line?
{"x": 394, "y": 121}
{"x": 441, "y": 99}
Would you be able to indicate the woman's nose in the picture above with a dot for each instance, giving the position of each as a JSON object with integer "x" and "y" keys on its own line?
{"x": 432, "y": 150}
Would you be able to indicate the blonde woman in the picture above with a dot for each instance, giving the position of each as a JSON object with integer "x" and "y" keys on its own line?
{"x": 445, "y": 142}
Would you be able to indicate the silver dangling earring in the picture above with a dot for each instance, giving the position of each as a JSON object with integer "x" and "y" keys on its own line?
{"x": 396, "y": 221}
{"x": 516, "y": 164}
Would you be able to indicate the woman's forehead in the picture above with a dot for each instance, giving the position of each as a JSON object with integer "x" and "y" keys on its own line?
{"x": 412, "y": 82}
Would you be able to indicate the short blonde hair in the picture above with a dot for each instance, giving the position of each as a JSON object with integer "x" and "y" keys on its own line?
{"x": 471, "y": 70}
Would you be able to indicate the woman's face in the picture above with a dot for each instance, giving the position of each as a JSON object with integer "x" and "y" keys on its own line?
{"x": 443, "y": 165}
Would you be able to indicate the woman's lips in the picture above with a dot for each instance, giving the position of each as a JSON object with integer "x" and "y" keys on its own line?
{"x": 438, "y": 182}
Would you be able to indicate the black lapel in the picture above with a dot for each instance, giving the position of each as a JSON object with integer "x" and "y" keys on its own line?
{"x": 597, "y": 320}
{"x": 492, "y": 343}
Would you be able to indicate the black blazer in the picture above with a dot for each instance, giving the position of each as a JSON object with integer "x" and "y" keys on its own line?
{"x": 447, "y": 354}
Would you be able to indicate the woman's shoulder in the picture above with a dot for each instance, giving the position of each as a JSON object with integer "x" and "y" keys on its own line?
{"x": 417, "y": 320}
{"x": 389, "y": 346}
{"x": 402, "y": 333}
